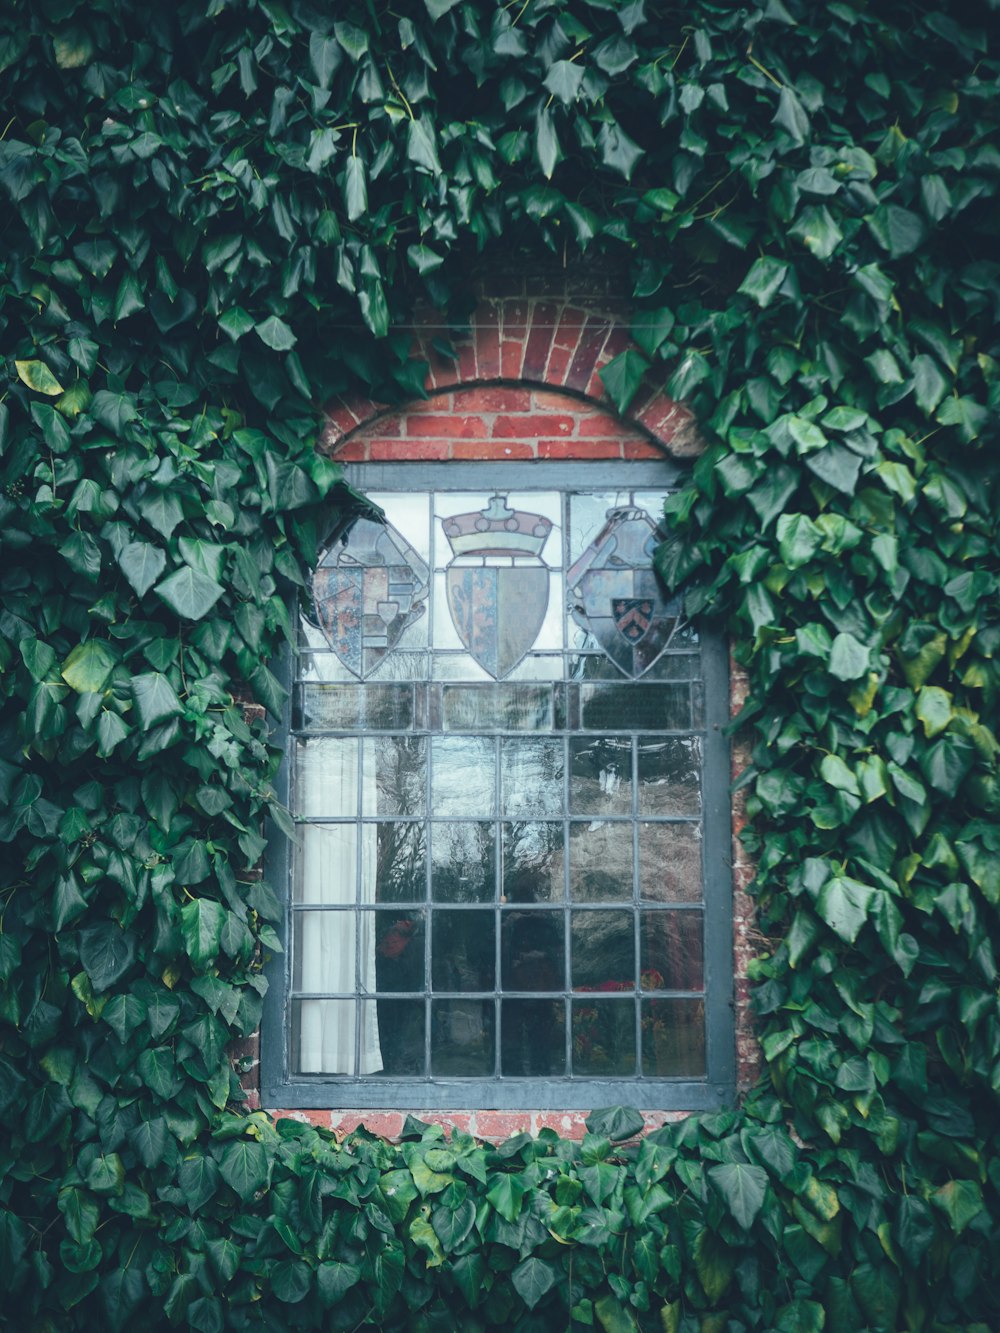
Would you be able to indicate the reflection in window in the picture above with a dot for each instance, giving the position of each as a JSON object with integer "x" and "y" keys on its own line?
{"x": 498, "y": 771}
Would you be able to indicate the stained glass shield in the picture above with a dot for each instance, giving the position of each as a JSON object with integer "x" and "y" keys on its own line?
{"x": 617, "y": 595}
{"x": 367, "y": 591}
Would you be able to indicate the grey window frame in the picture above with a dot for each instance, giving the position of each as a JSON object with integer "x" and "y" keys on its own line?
{"x": 281, "y": 1088}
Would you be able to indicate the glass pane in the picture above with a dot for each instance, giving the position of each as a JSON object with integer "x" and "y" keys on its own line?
{"x": 324, "y": 952}
{"x": 531, "y": 777}
{"x": 673, "y": 1038}
{"x": 670, "y": 863}
{"x": 601, "y": 776}
{"x": 588, "y": 515}
{"x": 326, "y": 778}
{"x": 600, "y": 862}
{"x": 400, "y": 1027}
{"x": 670, "y": 776}
{"x": 357, "y": 707}
{"x": 672, "y": 951}
{"x": 533, "y": 862}
{"x": 326, "y": 866}
{"x": 395, "y": 775}
{"x": 603, "y": 951}
{"x": 409, "y": 514}
{"x": 604, "y": 1037}
{"x": 463, "y": 861}
{"x": 463, "y": 950}
{"x": 399, "y": 951}
{"x": 462, "y": 1038}
{"x": 531, "y": 951}
{"x": 401, "y": 865}
{"x": 463, "y": 776}
{"x": 533, "y": 1038}
{"x": 325, "y": 1041}
{"x": 635, "y": 707}
{"x": 497, "y": 708}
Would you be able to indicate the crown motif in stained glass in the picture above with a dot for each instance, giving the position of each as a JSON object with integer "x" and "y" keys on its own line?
{"x": 497, "y": 530}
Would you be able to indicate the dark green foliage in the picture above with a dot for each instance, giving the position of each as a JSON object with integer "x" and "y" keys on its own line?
{"x": 215, "y": 214}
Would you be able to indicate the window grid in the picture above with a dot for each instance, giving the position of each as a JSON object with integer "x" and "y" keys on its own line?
{"x": 426, "y": 703}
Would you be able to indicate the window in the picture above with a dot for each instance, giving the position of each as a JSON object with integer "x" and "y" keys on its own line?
{"x": 506, "y": 763}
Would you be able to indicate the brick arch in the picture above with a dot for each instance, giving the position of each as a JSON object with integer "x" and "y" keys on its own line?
{"x": 524, "y": 382}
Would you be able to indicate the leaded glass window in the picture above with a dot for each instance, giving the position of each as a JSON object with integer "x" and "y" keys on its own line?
{"x": 508, "y": 775}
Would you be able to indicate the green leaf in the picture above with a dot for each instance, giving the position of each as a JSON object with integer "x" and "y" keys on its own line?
{"x": 235, "y": 322}
{"x": 930, "y": 385}
{"x": 106, "y": 953}
{"x": 618, "y": 151}
{"x": 155, "y": 698}
{"x": 88, "y": 666}
{"x": 843, "y": 904}
{"x": 423, "y": 259}
{"x": 791, "y": 117}
{"x": 142, "y": 563}
{"x": 615, "y": 1123}
{"x": 547, "y": 147}
{"x": 36, "y": 375}
{"x": 897, "y": 230}
{"x": 817, "y": 231}
{"x": 563, "y": 80}
{"x": 355, "y": 188}
{"x": 762, "y": 282}
{"x": 532, "y": 1279}
{"x": 202, "y": 921}
{"x": 742, "y": 1188}
{"x": 243, "y": 1166}
{"x": 189, "y": 592}
{"x": 506, "y": 1195}
{"x": 162, "y": 510}
{"x": 276, "y": 334}
{"x": 848, "y": 657}
{"x": 421, "y": 145}
{"x": 324, "y": 58}
{"x": 623, "y": 376}
{"x": 353, "y": 39}
{"x": 934, "y": 709}
{"x": 335, "y": 1279}
{"x": 612, "y": 1316}
{"x": 438, "y": 8}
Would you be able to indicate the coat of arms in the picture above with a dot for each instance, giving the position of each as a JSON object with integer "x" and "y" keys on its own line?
{"x": 498, "y": 587}
{"x": 367, "y": 591}
{"x": 619, "y": 598}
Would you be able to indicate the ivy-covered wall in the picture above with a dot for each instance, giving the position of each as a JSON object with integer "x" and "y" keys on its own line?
{"x": 216, "y": 218}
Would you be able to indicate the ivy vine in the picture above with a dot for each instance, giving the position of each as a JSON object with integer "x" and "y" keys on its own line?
{"x": 217, "y": 214}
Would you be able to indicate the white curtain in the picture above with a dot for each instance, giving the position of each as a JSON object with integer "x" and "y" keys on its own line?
{"x": 331, "y": 947}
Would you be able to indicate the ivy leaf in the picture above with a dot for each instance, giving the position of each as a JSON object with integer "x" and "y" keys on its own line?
{"x": 934, "y": 709}
{"x": 623, "y": 376}
{"x": 791, "y": 117}
{"x": 438, "y": 8}
{"x": 843, "y": 904}
{"x": 155, "y": 698}
{"x": 276, "y": 334}
{"x": 618, "y": 150}
{"x": 762, "y": 282}
{"x": 88, "y": 666}
{"x": 324, "y": 57}
{"x": 189, "y": 592}
{"x": 202, "y": 921}
{"x": 106, "y": 953}
{"x": 235, "y": 323}
{"x": 36, "y": 375}
{"x": 547, "y": 146}
{"x": 532, "y": 1279}
{"x": 421, "y": 146}
{"x": 848, "y": 657}
{"x": 142, "y": 563}
{"x": 113, "y": 410}
{"x": 243, "y": 1166}
{"x": 355, "y": 189}
{"x": 897, "y": 230}
{"x": 742, "y": 1188}
{"x": 563, "y": 80}
{"x": 615, "y": 1123}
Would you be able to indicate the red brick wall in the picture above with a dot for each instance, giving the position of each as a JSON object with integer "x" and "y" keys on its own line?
{"x": 524, "y": 384}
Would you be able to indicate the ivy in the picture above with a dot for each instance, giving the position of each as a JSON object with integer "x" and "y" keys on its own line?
{"x": 218, "y": 216}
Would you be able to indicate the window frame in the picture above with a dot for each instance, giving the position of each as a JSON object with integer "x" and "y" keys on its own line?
{"x": 283, "y": 1089}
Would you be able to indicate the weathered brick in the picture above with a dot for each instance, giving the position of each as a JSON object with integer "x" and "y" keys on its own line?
{"x": 383, "y": 451}
{"x": 587, "y": 351}
{"x": 449, "y": 427}
{"x": 602, "y": 424}
{"x": 579, "y": 449}
{"x": 354, "y": 451}
{"x": 571, "y": 321}
{"x": 634, "y": 447}
{"x": 487, "y": 326}
{"x": 539, "y": 341}
{"x": 496, "y": 449}
{"x": 493, "y": 398}
{"x": 521, "y": 427}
